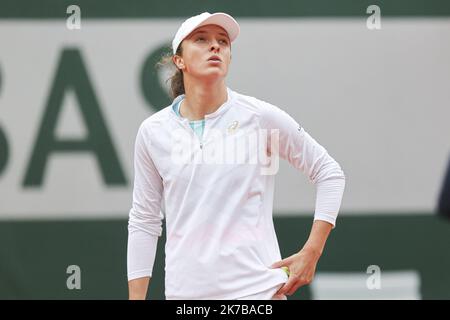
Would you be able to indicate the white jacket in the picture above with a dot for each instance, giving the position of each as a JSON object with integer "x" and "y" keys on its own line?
{"x": 220, "y": 237}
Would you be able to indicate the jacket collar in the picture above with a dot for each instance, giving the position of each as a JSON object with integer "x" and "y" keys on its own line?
{"x": 225, "y": 106}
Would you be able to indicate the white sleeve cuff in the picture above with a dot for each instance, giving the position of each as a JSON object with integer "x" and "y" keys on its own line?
{"x": 141, "y": 253}
{"x": 328, "y": 199}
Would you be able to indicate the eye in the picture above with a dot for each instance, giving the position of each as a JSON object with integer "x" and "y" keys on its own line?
{"x": 200, "y": 39}
{"x": 224, "y": 41}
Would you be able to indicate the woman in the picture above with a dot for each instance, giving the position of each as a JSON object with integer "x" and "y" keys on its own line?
{"x": 221, "y": 242}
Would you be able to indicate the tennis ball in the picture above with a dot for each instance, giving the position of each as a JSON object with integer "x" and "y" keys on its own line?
{"x": 286, "y": 269}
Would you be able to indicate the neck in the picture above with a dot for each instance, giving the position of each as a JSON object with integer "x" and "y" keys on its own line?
{"x": 202, "y": 98}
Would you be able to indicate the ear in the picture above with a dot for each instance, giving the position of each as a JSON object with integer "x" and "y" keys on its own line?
{"x": 178, "y": 61}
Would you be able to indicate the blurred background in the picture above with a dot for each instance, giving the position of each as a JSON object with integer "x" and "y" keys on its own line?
{"x": 371, "y": 85}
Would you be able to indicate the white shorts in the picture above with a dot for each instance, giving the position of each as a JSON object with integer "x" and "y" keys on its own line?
{"x": 268, "y": 294}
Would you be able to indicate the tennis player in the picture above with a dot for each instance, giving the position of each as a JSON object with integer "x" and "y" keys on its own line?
{"x": 207, "y": 164}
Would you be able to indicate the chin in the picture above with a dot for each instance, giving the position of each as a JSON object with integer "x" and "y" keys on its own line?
{"x": 214, "y": 74}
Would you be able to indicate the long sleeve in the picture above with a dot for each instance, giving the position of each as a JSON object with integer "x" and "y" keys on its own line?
{"x": 145, "y": 217}
{"x": 304, "y": 153}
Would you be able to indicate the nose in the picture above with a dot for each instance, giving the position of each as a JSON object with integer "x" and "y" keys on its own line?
{"x": 214, "y": 46}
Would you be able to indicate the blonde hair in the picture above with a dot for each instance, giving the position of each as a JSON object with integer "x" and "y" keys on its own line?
{"x": 176, "y": 79}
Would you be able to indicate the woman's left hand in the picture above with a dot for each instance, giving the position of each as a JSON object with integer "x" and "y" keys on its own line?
{"x": 302, "y": 267}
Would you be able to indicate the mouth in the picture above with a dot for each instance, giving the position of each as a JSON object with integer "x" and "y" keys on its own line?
{"x": 215, "y": 59}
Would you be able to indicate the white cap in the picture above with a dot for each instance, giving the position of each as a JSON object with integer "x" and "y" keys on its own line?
{"x": 219, "y": 18}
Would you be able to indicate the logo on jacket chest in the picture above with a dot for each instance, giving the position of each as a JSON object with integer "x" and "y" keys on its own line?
{"x": 233, "y": 127}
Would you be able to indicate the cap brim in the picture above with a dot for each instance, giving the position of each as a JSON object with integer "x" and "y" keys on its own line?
{"x": 225, "y": 21}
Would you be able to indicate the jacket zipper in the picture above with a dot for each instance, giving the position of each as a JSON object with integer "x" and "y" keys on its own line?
{"x": 200, "y": 142}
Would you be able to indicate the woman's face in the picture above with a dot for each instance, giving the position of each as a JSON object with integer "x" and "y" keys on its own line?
{"x": 206, "y": 53}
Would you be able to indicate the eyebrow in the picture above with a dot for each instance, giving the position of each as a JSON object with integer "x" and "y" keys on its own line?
{"x": 202, "y": 31}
